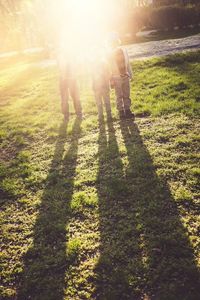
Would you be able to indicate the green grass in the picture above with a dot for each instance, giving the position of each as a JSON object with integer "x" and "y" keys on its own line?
{"x": 104, "y": 211}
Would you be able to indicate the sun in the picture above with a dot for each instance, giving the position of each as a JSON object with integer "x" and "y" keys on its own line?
{"x": 85, "y": 13}
{"x": 86, "y": 18}
{"x": 82, "y": 24}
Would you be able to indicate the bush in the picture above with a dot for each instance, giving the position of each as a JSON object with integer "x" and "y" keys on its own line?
{"x": 188, "y": 16}
{"x": 161, "y": 18}
{"x": 172, "y": 16}
{"x": 164, "y": 17}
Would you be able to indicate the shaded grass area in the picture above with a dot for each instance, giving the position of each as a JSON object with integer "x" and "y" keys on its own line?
{"x": 100, "y": 211}
{"x": 144, "y": 246}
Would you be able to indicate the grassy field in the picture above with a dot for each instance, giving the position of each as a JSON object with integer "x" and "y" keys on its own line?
{"x": 104, "y": 211}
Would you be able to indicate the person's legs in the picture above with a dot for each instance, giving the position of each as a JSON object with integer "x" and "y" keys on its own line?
{"x": 64, "y": 91}
{"x": 126, "y": 93}
{"x": 126, "y": 97}
{"x": 119, "y": 95}
{"x": 75, "y": 94}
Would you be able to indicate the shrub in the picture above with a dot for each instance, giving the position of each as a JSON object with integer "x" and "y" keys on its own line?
{"x": 171, "y": 16}
{"x": 164, "y": 17}
{"x": 161, "y": 18}
{"x": 187, "y": 16}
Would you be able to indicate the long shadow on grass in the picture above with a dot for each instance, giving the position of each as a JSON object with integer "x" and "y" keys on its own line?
{"x": 46, "y": 262}
{"x": 119, "y": 249}
{"x": 144, "y": 248}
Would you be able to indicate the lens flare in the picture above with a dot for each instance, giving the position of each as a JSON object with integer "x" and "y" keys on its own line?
{"x": 82, "y": 25}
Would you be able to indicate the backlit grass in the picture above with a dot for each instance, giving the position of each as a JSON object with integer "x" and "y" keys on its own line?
{"x": 100, "y": 211}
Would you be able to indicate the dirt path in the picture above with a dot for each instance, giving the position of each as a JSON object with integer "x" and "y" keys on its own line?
{"x": 142, "y": 50}
{"x": 161, "y": 48}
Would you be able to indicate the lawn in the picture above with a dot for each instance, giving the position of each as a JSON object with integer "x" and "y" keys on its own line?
{"x": 104, "y": 211}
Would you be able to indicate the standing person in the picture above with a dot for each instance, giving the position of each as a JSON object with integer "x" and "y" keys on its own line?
{"x": 101, "y": 86}
{"x": 68, "y": 84}
{"x": 121, "y": 76}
